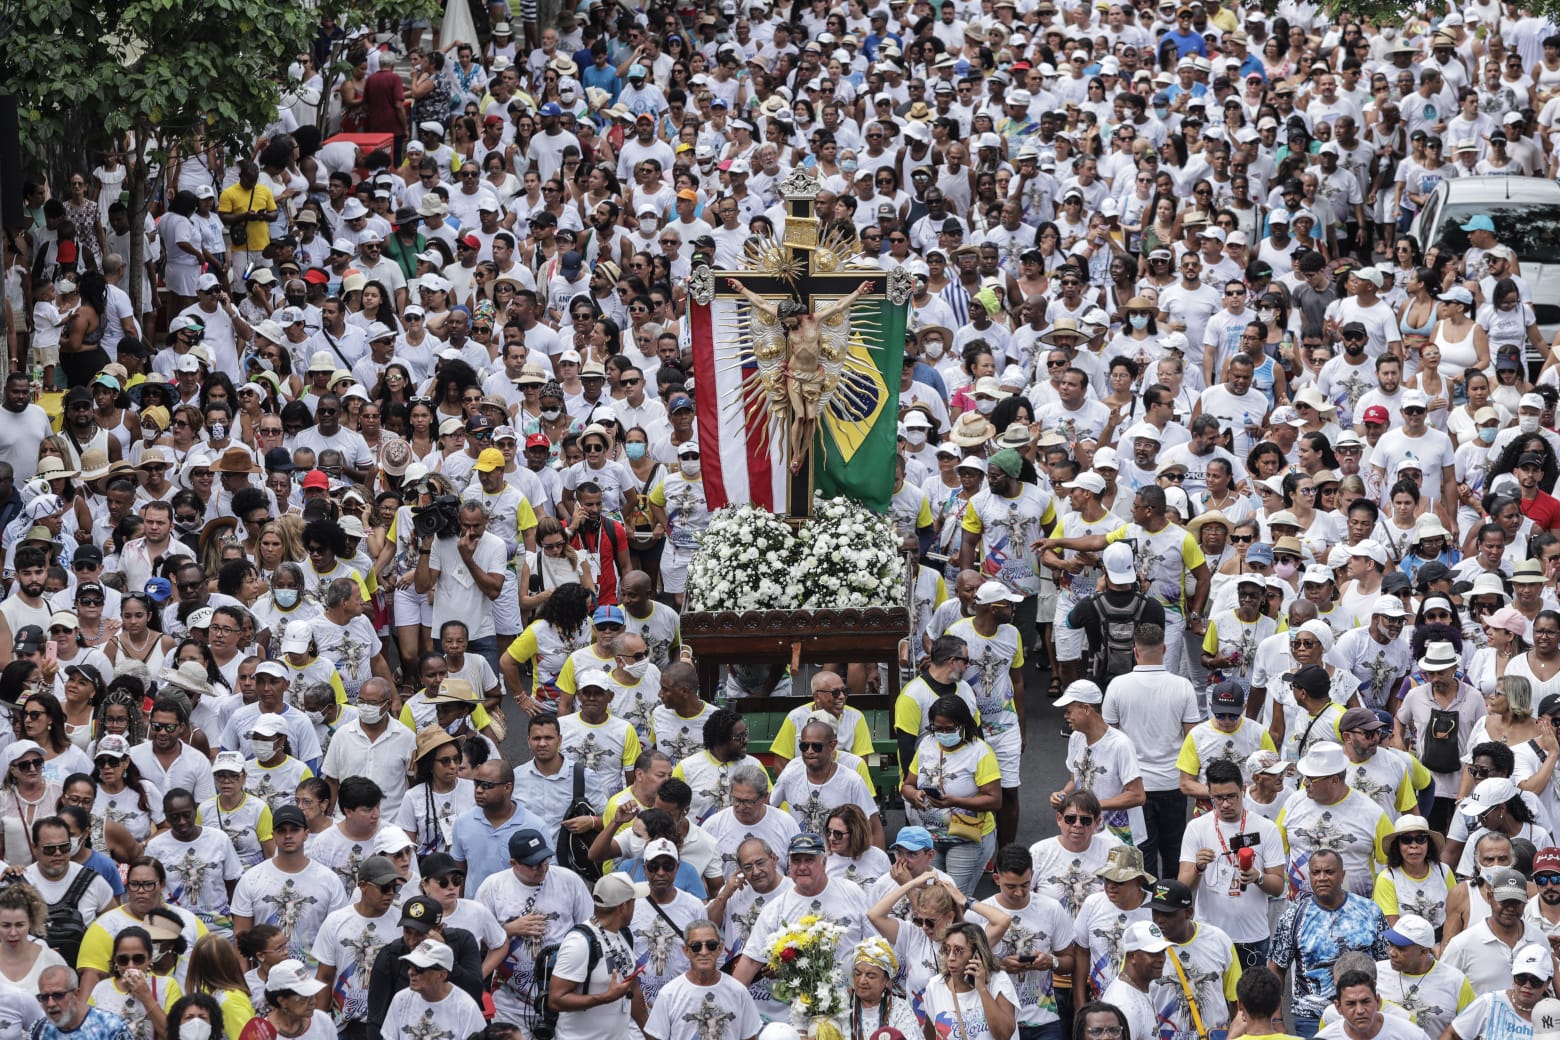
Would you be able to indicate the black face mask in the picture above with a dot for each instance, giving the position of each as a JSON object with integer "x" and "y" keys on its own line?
{"x": 296, "y": 301}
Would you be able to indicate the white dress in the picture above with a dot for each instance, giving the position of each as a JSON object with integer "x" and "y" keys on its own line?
{"x": 457, "y": 24}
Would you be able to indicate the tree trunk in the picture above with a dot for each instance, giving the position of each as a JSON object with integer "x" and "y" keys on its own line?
{"x": 137, "y": 258}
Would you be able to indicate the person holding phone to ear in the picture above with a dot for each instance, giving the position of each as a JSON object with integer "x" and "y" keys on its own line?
{"x": 971, "y": 994}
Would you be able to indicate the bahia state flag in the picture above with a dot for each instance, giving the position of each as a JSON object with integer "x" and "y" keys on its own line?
{"x": 743, "y": 448}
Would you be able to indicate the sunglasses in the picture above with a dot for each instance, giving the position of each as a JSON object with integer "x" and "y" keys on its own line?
{"x": 130, "y": 960}
{"x": 704, "y": 946}
{"x": 1078, "y": 820}
{"x": 811, "y": 745}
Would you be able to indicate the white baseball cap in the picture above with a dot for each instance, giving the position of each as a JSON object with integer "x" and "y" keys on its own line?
{"x": 1120, "y": 568}
{"x": 995, "y": 592}
{"x": 1080, "y": 691}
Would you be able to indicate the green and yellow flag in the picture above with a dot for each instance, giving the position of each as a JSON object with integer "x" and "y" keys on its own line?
{"x": 853, "y": 455}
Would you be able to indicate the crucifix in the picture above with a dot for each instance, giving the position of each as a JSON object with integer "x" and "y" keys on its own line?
{"x": 797, "y": 331}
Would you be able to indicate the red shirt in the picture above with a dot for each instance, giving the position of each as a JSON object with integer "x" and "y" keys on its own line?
{"x": 1543, "y": 510}
{"x": 604, "y": 543}
{"x": 383, "y": 98}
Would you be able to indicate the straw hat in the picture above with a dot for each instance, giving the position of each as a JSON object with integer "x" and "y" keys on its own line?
{"x": 430, "y": 738}
{"x": 971, "y": 430}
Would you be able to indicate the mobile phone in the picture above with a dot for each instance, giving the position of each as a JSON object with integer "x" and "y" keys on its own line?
{"x": 51, "y": 651}
{"x": 1027, "y": 958}
{"x": 640, "y": 970}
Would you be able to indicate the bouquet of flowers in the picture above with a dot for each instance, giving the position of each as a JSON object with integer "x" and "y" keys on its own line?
{"x": 804, "y": 973}
{"x": 744, "y": 559}
{"x": 847, "y": 556}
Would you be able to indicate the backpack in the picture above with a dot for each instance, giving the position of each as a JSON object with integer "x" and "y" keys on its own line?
{"x": 545, "y": 1023}
{"x": 574, "y": 849}
{"x": 1114, "y": 656}
{"x": 66, "y": 926}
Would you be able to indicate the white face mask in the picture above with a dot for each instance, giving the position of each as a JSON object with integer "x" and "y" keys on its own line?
{"x": 1139, "y": 321}
{"x": 915, "y": 438}
{"x": 371, "y": 714}
{"x": 263, "y": 748}
{"x": 551, "y": 414}
{"x": 689, "y": 467}
{"x": 1266, "y": 315}
{"x": 985, "y": 406}
{"x": 647, "y": 225}
{"x": 933, "y": 349}
{"x": 195, "y": 1029}
{"x": 1527, "y": 423}
{"x": 637, "y": 669}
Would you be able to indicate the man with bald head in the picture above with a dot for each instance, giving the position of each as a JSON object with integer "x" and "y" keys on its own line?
{"x": 656, "y": 623}
{"x": 678, "y": 721}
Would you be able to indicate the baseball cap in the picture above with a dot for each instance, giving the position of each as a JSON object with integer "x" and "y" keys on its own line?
{"x": 1230, "y": 696}
{"x": 1081, "y": 691}
{"x": 995, "y": 592}
{"x": 421, "y": 913}
{"x": 1120, "y": 568}
{"x": 616, "y": 889}
{"x": 805, "y": 844}
{"x": 430, "y": 953}
{"x": 1140, "y": 937}
{"x": 1171, "y": 895}
{"x": 529, "y": 847}
{"x": 913, "y": 839}
{"x": 1411, "y": 930}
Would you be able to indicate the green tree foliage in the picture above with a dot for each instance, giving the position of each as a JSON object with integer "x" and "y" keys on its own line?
{"x": 93, "y": 74}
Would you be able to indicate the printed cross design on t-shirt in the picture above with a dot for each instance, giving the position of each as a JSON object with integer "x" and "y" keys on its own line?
{"x": 1078, "y": 884}
{"x": 709, "y": 1019}
{"x": 660, "y": 944}
{"x": 1370, "y": 787}
{"x": 426, "y": 1028}
{"x": 288, "y": 906}
{"x": 591, "y": 753}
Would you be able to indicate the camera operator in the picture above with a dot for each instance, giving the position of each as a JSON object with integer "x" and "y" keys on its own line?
{"x": 464, "y": 569}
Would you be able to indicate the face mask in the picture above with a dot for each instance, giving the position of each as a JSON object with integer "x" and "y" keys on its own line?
{"x": 315, "y": 717}
{"x": 985, "y": 407}
{"x": 688, "y": 468}
{"x": 1267, "y": 315}
{"x": 296, "y": 301}
{"x": 218, "y": 431}
{"x": 1162, "y": 113}
{"x": 285, "y": 598}
{"x": 195, "y": 1029}
{"x": 551, "y": 414}
{"x": 1389, "y": 32}
{"x": 647, "y": 224}
{"x": 1527, "y": 423}
{"x": 455, "y": 727}
{"x": 79, "y": 844}
{"x": 933, "y": 348}
{"x": 1487, "y": 874}
{"x": 262, "y": 748}
{"x": 635, "y": 450}
{"x": 1487, "y": 434}
{"x": 849, "y": 166}
{"x": 637, "y": 669}
{"x": 949, "y": 740}
{"x": 1284, "y": 570}
{"x": 915, "y": 438}
{"x": 371, "y": 714}
{"x": 1139, "y": 321}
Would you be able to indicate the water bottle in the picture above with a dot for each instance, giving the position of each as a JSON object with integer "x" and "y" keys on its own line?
{"x": 37, "y": 382}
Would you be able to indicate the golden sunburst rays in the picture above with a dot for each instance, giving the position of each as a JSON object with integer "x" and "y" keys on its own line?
{"x": 835, "y": 250}
{"x": 769, "y": 258}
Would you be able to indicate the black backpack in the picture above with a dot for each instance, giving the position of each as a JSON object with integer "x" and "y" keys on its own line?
{"x": 66, "y": 925}
{"x": 573, "y": 850}
{"x": 1114, "y": 655}
{"x": 545, "y": 1024}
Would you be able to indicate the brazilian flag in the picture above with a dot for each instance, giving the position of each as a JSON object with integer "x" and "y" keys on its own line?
{"x": 853, "y": 454}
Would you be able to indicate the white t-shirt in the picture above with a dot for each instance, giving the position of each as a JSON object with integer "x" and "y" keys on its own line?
{"x": 724, "y": 1011}
{"x": 457, "y": 596}
{"x": 349, "y": 942}
{"x": 604, "y": 1021}
{"x": 454, "y": 1017}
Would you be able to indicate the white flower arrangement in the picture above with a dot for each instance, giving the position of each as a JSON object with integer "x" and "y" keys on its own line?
{"x": 848, "y": 556}
{"x": 751, "y": 559}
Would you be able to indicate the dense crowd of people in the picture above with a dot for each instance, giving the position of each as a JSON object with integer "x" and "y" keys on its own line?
{"x": 389, "y": 456}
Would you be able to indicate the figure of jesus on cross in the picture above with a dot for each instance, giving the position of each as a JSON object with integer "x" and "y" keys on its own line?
{"x": 810, "y": 362}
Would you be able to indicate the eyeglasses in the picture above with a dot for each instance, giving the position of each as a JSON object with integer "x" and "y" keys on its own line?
{"x": 703, "y": 946}
{"x": 924, "y": 922}
{"x": 1077, "y": 820}
{"x": 164, "y": 727}
{"x": 1103, "y": 1031}
{"x": 130, "y": 960}
{"x": 1479, "y": 772}
{"x": 483, "y": 785}
{"x": 1304, "y": 644}
{"x": 451, "y": 880}
{"x": 1542, "y": 880}
{"x": 1242, "y": 539}
{"x": 142, "y": 886}
{"x": 552, "y": 545}
{"x": 811, "y": 745}
{"x": 34, "y": 716}
{"x": 838, "y": 835}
